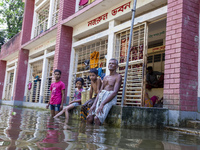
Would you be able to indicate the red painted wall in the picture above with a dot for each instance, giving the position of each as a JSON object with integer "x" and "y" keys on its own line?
{"x": 13, "y": 45}
{"x": 2, "y": 76}
{"x": 181, "y": 55}
{"x": 64, "y": 41}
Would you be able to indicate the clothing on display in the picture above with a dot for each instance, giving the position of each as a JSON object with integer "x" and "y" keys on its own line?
{"x": 94, "y": 59}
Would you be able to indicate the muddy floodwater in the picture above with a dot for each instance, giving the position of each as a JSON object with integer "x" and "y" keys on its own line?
{"x": 25, "y": 129}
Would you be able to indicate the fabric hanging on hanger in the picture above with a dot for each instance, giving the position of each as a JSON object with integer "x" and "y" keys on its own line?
{"x": 83, "y": 2}
{"x": 94, "y": 59}
{"x": 90, "y": 1}
{"x": 29, "y": 86}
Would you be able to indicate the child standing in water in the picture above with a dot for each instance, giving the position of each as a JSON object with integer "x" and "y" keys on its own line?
{"x": 57, "y": 94}
{"x": 77, "y": 99}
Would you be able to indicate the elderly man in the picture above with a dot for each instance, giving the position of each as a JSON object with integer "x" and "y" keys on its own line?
{"x": 107, "y": 96}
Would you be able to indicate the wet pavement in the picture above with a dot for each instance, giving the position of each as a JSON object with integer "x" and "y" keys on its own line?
{"x": 35, "y": 130}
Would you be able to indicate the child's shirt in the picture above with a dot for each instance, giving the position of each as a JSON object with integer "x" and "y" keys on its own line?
{"x": 56, "y": 95}
{"x": 77, "y": 94}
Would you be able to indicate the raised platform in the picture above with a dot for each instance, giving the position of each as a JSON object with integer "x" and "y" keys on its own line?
{"x": 133, "y": 117}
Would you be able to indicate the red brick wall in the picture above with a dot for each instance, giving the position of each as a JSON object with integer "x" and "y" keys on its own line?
{"x": 27, "y": 21}
{"x": 64, "y": 41}
{"x": 11, "y": 46}
{"x": 181, "y": 64}
{"x": 21, "y": 75}
{"x": 2, "y": 76}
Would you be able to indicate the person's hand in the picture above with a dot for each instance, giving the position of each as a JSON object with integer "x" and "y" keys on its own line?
{"x": 100, "y": 109}
{"x": 61, "y": 106}
{"x": 71, "y": 102}
{"x": 47, "y": 106}
{"x": 92, "y": 108}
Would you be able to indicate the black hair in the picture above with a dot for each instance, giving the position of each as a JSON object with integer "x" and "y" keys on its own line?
{"x": 115, "y": 60}
{"x": 149, "y": 68}
{"x": 57, "y": 71}
{"x": 81, "y": 80}
{"x": 94, "y": 70}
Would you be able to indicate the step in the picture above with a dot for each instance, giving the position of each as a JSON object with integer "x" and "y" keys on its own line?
{"x": 183, "y": 130}
{"x": 193, "y": 124}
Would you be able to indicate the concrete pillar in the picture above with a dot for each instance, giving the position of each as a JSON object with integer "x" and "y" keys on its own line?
{"x": 2, "y": 76}
{"x": 181, "y": 57}
{"x": 14, "y": 79}
{"x": 33, "y": 25}
{"x": 77, "y": 5}
{"x": 21, "y": 75}
{"x": 111, "y": 37}
{"x": 51, "y": 9}
{"x": 44, "y": 74}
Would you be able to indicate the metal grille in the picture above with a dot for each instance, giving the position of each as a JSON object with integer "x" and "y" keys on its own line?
{"x": 82, "y": 56}
{"x": 42, "y": 20}
{"x": 9, "y": 85}
{"x": 48, "y": 80}
{"x": 55, "y": 12}
{"x": 137, "y": 70}
{"x": 35, "y": 75}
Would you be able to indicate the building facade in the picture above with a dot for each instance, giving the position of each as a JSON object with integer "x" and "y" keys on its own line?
{"x": 74, "y": 36}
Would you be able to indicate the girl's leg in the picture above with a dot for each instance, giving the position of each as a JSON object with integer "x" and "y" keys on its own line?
{"x": 71, "y": 106}
{"x": 60, "y": 113}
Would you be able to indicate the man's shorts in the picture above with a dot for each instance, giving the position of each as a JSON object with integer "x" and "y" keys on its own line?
{"x": 55, "y": 107}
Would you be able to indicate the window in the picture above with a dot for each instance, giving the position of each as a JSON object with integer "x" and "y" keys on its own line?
{"x": 35, "y": 75}
{"x": 87, "y": 57}
{"x": 136, "y": 71}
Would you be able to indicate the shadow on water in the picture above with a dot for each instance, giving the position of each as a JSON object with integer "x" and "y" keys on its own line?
{"x": 34, "y": 130}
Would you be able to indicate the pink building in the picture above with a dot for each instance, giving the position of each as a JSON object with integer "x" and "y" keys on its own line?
{"x": 65, "y": 34}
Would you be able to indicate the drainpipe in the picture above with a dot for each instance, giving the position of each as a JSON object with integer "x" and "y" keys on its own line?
{"x": 129, "y": 47}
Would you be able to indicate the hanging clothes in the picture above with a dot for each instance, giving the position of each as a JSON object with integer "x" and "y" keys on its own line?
{"x": 83, "y": 2}
{"x": 94, "y": 59}
{"x": 90, "y": 1}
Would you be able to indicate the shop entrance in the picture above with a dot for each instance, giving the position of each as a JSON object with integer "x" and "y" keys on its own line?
{"x": 147, "y": 51}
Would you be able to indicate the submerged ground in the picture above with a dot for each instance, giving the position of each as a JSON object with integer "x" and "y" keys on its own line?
{"x": 22, "y": 128}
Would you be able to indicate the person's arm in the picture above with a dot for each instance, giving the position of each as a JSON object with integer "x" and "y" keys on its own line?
{"x": 91, "y": 91}
{"x": 63, "y": 97}
{"x": 49, "y": 101}
{"x": 111, "y": 96}
{"x": 95, "y": 101}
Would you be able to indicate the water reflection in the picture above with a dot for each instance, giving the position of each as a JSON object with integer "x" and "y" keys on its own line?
{"x": 34, "y": 130}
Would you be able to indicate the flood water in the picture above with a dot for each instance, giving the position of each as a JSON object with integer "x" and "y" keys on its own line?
{"x": 35, "y": 130}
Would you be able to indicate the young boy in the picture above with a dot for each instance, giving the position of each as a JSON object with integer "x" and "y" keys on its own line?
{"x": 57, "y": 94}
{"x": 95, "y": 88}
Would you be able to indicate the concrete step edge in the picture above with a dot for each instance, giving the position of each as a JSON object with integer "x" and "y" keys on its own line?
{"x": 184, "y": 130}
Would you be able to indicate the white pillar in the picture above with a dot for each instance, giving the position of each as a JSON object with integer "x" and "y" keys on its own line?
{"x": 77, "y": 5}
{"x": 14, "y": 77}
{"x": 111, "y": 37}
{"x": 34, "y": 24}
{"x": 27, "y": 80}
{"x": 5, "y": 82}
{"x": 51, "y": 9}
{"x": 44, "y": 74}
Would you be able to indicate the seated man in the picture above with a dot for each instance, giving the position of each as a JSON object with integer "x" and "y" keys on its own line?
{"x": 152, "y": 81}
{"x": 107, "y": 95}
